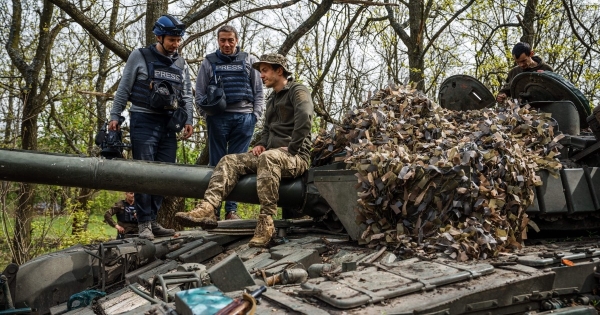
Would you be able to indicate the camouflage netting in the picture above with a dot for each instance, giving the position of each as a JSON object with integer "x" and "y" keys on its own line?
{"x": 431, "y": 179}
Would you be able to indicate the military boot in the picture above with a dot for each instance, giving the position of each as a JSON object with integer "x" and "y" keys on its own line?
{"x": 203, "y": 216}
{"x": 159, "y": 230}
{"x": 263, "y": 232}
{"x": 145, "y": 230}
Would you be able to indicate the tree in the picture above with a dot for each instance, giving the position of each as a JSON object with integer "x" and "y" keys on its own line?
{"x": 422, "y": 19}
{"x": 36, "y": 75}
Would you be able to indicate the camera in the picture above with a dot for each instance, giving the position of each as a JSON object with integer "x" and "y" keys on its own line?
{"x": 111, "y": 141}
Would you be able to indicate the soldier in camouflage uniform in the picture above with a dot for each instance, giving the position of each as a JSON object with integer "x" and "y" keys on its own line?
{"x": 126, "y": 220}
{"x": 283, "y": 151}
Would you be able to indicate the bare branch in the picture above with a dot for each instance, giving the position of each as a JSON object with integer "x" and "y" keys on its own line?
{"x": 94, "y": 93}
{"x": 233, "y": 17}
{"x": 14, "y": 38}
{"x": 487, "y": 40}
{"x": 398, "y": 27}
{"x": 321, "y": 111}
{"x": 62, "y": 129}
{"x": 126, "y": 25}
{"x": 312, "y": 20}
{"x": 92, "y": 28}
{"x": 439, "y": 31}
{"x": 363, "y": 2}
{"x": 193, "y": 17}
{"x": 371, "y": 20}
{"x": 575, "y": 32}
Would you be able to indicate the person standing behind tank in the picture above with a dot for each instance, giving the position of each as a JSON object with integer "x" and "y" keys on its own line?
{"x": 526, "y": 62}
{"x": 283, "y": 151}
{"x": 126, "y": 217}
{"x": 231, "y": 130}
{"x": 151, "y": 140}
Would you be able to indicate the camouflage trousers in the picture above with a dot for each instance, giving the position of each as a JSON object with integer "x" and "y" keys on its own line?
{"x": 269, "y": 167}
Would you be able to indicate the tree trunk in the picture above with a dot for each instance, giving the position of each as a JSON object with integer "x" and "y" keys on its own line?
{"x": 10, "y": 115}
{"x": 417, "y": 19}
{"x": 413, "y": 40}
{"x": 81, "y": 213}
{"x": 416, "y": 65}
{"x": 23, "y": 218}
{"x": 166, "y": 215}
{"x": 155, "y": 8}
{"x": 33, "y": 94}
{"x": 203, "y": 156}
{"x": 528, "y": 22}
{"x": 22, "y": 241}
{"x": 418, "y": 13}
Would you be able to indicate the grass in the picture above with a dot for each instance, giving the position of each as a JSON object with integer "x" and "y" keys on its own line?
{"x": 51, "y": 233}
{"x": 247, "y": 211}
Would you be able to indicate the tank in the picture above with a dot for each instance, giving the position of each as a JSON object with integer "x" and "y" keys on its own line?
{"x": 316, "y": 265}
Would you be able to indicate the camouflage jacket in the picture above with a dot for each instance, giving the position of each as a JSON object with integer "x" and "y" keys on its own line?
{"x": 288, "y": 120}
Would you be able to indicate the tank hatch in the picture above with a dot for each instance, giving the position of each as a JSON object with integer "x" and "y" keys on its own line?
{"x": 547, "y": 86}
{"x": 463, "y": 92}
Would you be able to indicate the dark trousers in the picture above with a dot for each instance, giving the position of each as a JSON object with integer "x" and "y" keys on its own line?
{"x": 228, "y": 133}
{"x": 151, "y": 141}
{"x": 131, "y": 229}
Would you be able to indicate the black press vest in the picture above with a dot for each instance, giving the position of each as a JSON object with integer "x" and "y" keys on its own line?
{"x": 235, "y": 77}
{"x": 126, "y": 216}
{"x": 157, "y": 71}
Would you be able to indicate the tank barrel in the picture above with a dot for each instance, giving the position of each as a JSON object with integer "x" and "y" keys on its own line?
{"x": 131, "y": 175}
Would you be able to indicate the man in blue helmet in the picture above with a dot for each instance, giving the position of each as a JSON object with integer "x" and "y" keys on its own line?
{"x": 156, "y": 81}
{"x": 229, "y": 131}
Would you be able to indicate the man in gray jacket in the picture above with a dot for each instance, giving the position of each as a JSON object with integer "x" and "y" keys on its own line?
{"x": 230, "y": 131}
{"x": 156, "y": 81}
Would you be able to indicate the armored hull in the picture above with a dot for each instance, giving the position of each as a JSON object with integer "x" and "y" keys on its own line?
{"x": 316, "y": 267}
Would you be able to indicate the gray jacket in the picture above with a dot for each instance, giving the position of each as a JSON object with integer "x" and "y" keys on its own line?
{"x": 136, "y": 69}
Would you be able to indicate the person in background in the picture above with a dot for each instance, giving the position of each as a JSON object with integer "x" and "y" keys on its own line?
{"x": 126, "y": 218}
{"x": 526, "y": 62}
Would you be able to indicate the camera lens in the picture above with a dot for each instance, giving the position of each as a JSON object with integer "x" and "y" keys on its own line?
{"x": 163, "y": 90}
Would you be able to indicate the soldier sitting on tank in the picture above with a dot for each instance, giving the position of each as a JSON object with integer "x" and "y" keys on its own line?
{"x": 282, "y": 151}
{"x": 126, "y": 218}
{"x": 526, "y": 62}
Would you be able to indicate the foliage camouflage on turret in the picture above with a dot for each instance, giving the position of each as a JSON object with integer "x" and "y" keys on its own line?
{"x": 431, "y": 179}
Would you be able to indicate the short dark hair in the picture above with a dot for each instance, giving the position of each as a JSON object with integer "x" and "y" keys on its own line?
{"x": 275, "y": 67}
{"x": 228, "y": 29}
{"x": 521, "y": 48}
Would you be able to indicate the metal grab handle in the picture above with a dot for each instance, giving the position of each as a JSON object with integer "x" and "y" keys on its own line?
{"x": 173, "y": 278}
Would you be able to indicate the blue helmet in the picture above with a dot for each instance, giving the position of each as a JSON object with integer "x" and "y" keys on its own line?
{"x": 168, "y": 25}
